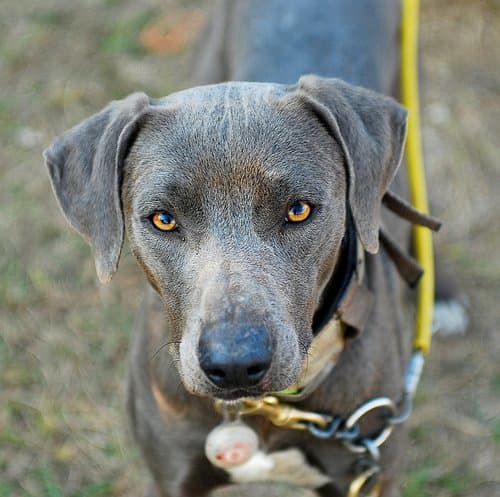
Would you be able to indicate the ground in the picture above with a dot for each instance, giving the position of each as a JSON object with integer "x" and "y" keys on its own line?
{"x": 64, "y": 337}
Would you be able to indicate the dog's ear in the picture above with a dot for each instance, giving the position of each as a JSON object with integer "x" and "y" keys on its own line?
{"x": 371, "y": 130}
{"x": 85, "y": 169}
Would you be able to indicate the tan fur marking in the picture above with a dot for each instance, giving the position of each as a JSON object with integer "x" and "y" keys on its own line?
{"x": 166, "y": 408}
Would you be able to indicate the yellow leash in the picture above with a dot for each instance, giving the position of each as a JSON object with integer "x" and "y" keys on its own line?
{"x": 416, "y": 175}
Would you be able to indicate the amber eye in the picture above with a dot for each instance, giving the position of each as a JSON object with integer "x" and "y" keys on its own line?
{"x": 163, "y": 221}
{"x": 299, "y": 212}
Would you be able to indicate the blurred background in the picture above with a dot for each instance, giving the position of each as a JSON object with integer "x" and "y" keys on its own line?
{"x": 64, "y": 337}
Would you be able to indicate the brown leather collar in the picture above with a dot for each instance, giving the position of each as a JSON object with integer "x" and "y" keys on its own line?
{"x": 346, "y": 296}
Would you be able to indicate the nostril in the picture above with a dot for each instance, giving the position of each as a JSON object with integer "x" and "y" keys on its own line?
{"x": 216, "y": 375}
{"x": 256, "y": 371}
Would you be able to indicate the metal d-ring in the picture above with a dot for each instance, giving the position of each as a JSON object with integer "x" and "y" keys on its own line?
{"x": 360, "y": 447}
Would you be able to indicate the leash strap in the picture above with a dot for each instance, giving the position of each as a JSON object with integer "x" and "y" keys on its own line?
{"x": 405, "y": 210}
{"x": 408, "y": 268}
{"x": 416, "y": 175}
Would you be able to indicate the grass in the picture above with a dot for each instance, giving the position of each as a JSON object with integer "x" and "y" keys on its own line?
{"x": 46, "y": 483}
{"x": 429, "y": 481}
{"x": 123, "y": 35}
{"x": 496, "y": 431}
{"x": 495, "y": 383}
{"x": 417, "y": 483}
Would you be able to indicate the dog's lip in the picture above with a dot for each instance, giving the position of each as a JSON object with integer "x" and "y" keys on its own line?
{"x": 239, "y": 394}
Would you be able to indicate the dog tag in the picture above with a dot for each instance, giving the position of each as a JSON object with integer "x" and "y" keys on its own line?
{"x": 231, "y": 444}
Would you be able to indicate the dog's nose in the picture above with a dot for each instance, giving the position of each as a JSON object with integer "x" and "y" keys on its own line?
{"x": 235, "y": 358}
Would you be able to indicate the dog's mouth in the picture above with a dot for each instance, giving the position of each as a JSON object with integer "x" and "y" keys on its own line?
{"x": 237, "y": 394}
{"x": 265, "y": 387}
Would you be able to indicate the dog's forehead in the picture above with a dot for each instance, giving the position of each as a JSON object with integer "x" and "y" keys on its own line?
{"x": 237, "y": 137}
{"x": 244, "y": 94}
{"x": 228, "y": 115}
{"x": 212, "y": 128}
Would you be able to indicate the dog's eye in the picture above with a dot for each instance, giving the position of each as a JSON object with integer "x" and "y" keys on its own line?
{"x": 298, "y": 212}
{"x": 163, "y": 221}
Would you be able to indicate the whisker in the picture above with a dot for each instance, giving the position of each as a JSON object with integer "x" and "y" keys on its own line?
{"x": 161, "y": 347}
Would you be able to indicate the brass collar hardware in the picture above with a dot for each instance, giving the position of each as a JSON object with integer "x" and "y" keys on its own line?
{"x": 363, "y": 481}
{"x": 282, "y": 415}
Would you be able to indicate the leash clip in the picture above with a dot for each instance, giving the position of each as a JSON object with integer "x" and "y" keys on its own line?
{"x": 283, "y": 415}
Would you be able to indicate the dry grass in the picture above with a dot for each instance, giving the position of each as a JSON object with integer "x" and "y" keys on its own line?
{"x": 64, "y": 338}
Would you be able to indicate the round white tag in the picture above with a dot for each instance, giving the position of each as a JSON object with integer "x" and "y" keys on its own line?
{"x": 231, "y": 444}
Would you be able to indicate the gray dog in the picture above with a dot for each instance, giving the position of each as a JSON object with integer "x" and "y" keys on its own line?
{"x": 243, "y": 204}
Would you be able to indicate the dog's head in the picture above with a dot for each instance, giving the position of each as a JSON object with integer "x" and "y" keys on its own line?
{"x": 234, "y": 198}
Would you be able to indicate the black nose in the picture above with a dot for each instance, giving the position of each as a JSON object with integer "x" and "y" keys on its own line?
{"x": 235, "y": 358}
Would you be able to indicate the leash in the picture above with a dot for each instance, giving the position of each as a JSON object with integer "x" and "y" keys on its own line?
{"x": 366, "y": 471}
{"x": 416, "y": 174}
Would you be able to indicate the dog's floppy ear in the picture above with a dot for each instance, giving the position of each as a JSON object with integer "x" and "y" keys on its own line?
{"x": 371, "y": 129}
{"x": 85, "y": 169}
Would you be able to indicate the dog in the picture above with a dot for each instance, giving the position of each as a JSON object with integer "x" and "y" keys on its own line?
{"x": 243, "y": 203}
